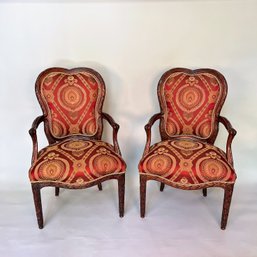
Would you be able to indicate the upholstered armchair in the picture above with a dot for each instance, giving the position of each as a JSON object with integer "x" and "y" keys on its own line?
{"x": 76, "y": 157}
{"x": 186, "y": 158}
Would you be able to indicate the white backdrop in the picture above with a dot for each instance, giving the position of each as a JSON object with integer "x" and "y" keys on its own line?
{"x": 131, "y": 43}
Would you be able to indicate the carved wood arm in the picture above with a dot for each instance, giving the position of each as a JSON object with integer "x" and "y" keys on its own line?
{"x": 231, "y": 133}
{"x": 115, "y": 127}
{"x": 148, "y": 127}
{"x": 33, "y": 134}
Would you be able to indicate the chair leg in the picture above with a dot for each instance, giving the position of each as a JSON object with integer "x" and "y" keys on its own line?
{"x": 38, "y": 205}
{"x": 204, "y": 192}
{"x": 100, "y": 187}
{"x": 121, "y": 189}
{"x": 57, "y": 191}
{"x": 228, "y": 191}
{"x": 162, "y": 187}
{"x": 143, "y": 180}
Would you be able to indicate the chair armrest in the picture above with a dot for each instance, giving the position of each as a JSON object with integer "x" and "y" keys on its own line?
{"x": 148, "y": 127}
{"x": 33, "y": 134}
{"x": 115, "y": 127}
{"x": 231, "y": 134}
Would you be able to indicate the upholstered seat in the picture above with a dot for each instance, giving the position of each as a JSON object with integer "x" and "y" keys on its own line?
{"x": 76, "y": 162}
{"x": 186, "y": 158}
{"x": 187, "y": 163}
{"x": 76, "y": 157}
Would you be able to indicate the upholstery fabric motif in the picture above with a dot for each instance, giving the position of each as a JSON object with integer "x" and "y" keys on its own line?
{"x": 187, "y": 162}
{"x": 190, "y": 103}
{"x": 71, "y": 102}
{"x": 76, "y": 162}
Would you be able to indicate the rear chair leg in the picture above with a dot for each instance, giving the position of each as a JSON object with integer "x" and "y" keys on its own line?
{"x": 38, "y": 204}
{"x": 121, "y": 189}
{"x": 57, "y": 191}
{"x": 143, "y": 180}
{"x": 100, "y": 186}
{"x": 228, "y": 191}
{"x": 162, "y": 186}
{"x": 204, "y": 192}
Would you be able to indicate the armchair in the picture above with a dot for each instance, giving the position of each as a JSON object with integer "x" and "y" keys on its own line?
{"x": 76, "y": 157}
{"x": 186, "y": 158}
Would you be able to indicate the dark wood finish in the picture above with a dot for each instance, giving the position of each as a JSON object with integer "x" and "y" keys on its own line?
{"x": 38, "y": 204}
{"x": 228, "y": 187}
{"x": 121, "y": 189}
{"x": 115, "y": 127}
{"x": 228, "y": 191}
{"x": 100, "y": 187}
{"x": 33, "y": 134}
{"x": 36, "y": 186}
{"x": 162, "y": 186}
{"x": 148, "y": 127}
{"x": 37, "y": 196}
{"x": 143, "y": 180}
{"x": 57, "y": 191}
{"x": 231, "y": 134}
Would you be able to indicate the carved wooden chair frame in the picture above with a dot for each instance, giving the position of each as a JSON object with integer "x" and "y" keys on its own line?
{"x": 36, "y": 187}
{"x": 228, "y": 188}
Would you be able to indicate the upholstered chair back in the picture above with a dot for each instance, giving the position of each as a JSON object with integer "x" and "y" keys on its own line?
{"x": 71, "y": 101}
{"x": 191, "y": 101}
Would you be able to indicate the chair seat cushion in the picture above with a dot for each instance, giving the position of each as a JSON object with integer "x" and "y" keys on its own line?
{"x": 187, "y": 163}
{"x": 76, "y": 162}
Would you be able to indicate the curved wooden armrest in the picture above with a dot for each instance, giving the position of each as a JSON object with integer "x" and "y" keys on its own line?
{"x": 33, "y": 134}
{"x": 115, "y": 127}
{"x": 231, "y": 134}
{"x": 148, "y": 127}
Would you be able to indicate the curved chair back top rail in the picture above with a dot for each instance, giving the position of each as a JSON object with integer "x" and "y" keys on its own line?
{"x": 186, "y": 158}
{"x": 76, "y": 157}
{"x": 190, "y": 101}
{"x": 71, "y": 101}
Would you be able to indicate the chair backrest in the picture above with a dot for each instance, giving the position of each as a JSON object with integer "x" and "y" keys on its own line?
{"x": 191, "y": 101}
{"x": 71, "y": 101}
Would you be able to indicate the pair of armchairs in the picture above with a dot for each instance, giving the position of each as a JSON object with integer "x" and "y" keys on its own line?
{"x": 185, "y": 158}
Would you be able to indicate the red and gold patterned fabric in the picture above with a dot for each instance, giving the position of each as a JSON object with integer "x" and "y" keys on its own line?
{"x": 186, "y": 162}
{"x": 76, "y": 162}
{"x": 70, "y": 101}
{"x": 191, "y": 102}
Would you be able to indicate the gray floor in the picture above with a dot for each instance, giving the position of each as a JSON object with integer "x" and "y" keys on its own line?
{"x": 86, "y": 223}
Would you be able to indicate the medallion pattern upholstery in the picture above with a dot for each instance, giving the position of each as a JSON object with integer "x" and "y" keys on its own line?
{"x": 187, "y": 163}
{"x": 186, "y": 158}
{"x": 191, "y": 102}
{"x": 71, "y": 101}
{"x": 76, "y": 162}
{"x": 76, "y": 157}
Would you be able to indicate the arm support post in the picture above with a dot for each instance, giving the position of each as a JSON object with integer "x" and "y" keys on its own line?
{"x": 115, "y": 127}
{"x": 33, "y": 134}
{"x": 231, "y": 134}
{"x": 148, "y": 127}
